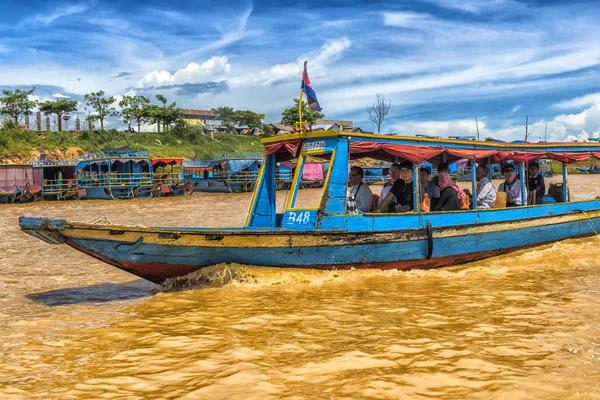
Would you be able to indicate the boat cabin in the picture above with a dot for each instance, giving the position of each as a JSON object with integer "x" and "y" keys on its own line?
{"x": 56, "y": 178}
{"x": 341, "y": 148}
{"x": 228, "y": 172}
{"x": 116, "y": 174}
{"x": 16, "y": 183}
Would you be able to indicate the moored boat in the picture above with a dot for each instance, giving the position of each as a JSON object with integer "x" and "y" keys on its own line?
{"x": 226, "y": 173}
{"x": 324, "y": 235}
{"x": 16, "y": 183}
{"x": 169, "y": 177}
{"x": 56, "y": 179}
{"x": 116, "y": 174}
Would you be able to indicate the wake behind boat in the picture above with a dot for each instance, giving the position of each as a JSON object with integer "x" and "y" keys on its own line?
{"x": 326, "y": 235}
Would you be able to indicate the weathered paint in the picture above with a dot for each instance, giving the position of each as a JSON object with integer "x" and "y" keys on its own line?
{"x": 150, "y": 255}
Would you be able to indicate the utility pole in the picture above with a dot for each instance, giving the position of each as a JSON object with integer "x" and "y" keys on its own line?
{"x": 546, "y": 133}
{"x": 477, "y": 126}
{"x": 526, "y": 126}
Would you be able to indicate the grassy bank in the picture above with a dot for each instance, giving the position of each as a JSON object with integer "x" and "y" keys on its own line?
{"x": 22, "y": 146}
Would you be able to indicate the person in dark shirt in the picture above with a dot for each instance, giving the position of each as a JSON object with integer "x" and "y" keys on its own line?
{"x": 402, "y": 190}
{"x": 450, "y": 194}
{"x": 536, "y": 182}
{"x": 442, "y": 167}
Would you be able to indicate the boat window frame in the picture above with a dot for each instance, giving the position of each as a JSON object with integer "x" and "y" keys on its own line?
{"x": 297, "y": 179}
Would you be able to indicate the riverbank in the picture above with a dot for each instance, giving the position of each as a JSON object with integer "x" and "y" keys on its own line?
{"x": 18, "y": 146}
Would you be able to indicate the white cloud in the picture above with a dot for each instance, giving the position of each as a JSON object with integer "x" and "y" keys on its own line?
{"x": 60, "y": 96}
{"x": 476, "y": 6}
{"x": 579, "y": 102}
{"x": 213, "y": 69}
{"x": 318, "y": 60}
{"x": 457, "y": 127}
{"x": 515, "y": 109}
{"x": 561, "y": 128}
{"x": 59, "y": 13}
{"x": 587, "y": 120}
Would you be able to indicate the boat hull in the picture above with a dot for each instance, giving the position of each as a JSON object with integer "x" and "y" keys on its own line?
{"x": 223, "y": 187}
{"x": 158, "y": 254}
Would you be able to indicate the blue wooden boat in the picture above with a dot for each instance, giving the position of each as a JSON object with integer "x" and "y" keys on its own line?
{"x": 592, "y": 169}
{"x": 116, "y": 174}
{"x": 376, "y": 173}
{"x": 324, "y": 235}
{"x": 56, "y": 179}
{"x": 226, "y": 173}
{"x": 16, "y": 183}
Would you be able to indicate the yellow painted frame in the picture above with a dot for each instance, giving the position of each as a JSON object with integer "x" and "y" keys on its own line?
{"x": 303, "y": 155}
{"x": 261, "y": 174}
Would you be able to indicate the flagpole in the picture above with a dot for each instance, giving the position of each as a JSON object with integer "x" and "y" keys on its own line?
{"x": 300, "y": 124}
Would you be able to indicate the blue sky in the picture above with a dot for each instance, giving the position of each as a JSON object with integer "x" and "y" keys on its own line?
{"x": 441, "y": 63}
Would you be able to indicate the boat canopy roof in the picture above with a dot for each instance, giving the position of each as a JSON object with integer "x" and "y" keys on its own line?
{"x": 420, "y": 150}
{"x": 162, "y": 162}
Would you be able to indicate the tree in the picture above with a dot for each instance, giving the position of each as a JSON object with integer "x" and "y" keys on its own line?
{"x": 132, "y": 110}
{"x": 165, "y": 114}
{"x": 489, "y": 139}
{"x": 309, "y": 116}
{"x": 267, "y": 130}
{"x": 226, "y": 115}
{"x": 17, "y": 103}
{"x": 379, "y": 110}
{"x": 58, "y": 107}
{"x": 171, "y": 114}
{"x": 248, "y": 118}
{"x": 102, "y": 105}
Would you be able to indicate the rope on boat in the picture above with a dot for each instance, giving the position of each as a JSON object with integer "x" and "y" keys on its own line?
{"x": 589, "y": 221}
{"x": 100, "y": 221}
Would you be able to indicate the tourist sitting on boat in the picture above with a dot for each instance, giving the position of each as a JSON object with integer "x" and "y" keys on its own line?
{"x": 401, "y": 191}
{"x": 536, "y": 182}
{"x": 451, "y": 195}
{"x": 394, "y": 176}
{"x": 359, "y": 196}
{"x": 442, "y": 167}
{"x": 427, "y": 188}
{"x": 511, "y": 186}
{"x": 486, "y": 195}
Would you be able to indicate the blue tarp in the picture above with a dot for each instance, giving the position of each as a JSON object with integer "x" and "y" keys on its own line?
{"x": 235, "y": 166}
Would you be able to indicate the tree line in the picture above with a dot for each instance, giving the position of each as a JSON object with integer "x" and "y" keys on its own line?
{"x": 137, "y": 110}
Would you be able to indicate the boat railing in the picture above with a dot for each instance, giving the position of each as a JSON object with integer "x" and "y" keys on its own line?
{"x": 57, "y": 163}
{"x": 196, "y": 163}
{"x": 240, "y": 177}
{"x": 116, "y": 154}
{"x": 115, "y": 178}
{"x": 285, "y": 176}
{"x": 169, "y": 178}
{"x": 58, "y": 185}
{"x": 237, "y": 156}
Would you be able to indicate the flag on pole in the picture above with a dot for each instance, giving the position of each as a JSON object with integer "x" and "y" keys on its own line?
{"x": 311, "y": 96}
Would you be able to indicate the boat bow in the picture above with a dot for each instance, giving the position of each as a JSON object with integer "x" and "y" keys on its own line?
{"x": 46, "y": 229}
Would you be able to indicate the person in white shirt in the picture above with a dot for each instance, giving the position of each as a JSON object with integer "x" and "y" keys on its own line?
{"x": 511, "y": 186}
{"x": 360, "y": 195}
{"x": 486, "y": 195}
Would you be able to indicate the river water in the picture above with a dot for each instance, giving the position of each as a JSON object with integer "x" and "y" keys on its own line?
{"x": 521, "y": 326}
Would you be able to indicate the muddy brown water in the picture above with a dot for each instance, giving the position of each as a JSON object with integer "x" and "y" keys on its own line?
{"x": 521, "y": 326}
